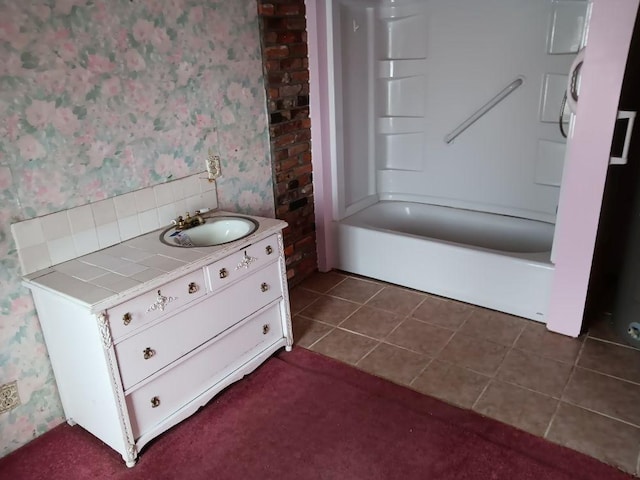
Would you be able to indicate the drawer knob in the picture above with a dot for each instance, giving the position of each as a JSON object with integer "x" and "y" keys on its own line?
{"x": 264, "y": 287}
{"x": 148, "y": 353}
{"x": 155, "y": 402}
{"x": 193, "y": 287}
{"x": 265, "y": 328}
{"x": 269, "y": 250}
{"x": 126, "y": 318}
{"x": 224, "y": 273}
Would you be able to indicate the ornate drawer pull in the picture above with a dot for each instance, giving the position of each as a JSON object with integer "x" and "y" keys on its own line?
{"x": 265, "y": 328}
{"x": 246, "y": 261}
{"x": 193, "y": 287}
{"x": 155, "y": 402}
{"x": 148, "y": 353}
{"x": 269, "y": 250}
{"x": 126, "y": 318}
{"x": 264, "y": 287}
{"x": 224, "y": 273}
{"x": 161, "y": 302}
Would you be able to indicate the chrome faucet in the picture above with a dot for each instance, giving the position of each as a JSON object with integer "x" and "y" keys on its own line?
{"x": 188, "y": 221}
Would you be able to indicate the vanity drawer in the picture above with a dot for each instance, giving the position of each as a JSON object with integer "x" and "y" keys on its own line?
{"x": 143, "y": 354}
{"x": 128, "y": 316}
{"x": 151, "y": 403}
{"x": 238, "y": 265}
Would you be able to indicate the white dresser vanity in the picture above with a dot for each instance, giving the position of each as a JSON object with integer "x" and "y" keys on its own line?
{"x": 134, "y": 359}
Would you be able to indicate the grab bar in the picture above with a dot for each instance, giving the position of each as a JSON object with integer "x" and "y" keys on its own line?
{"x": 504, "y": 93}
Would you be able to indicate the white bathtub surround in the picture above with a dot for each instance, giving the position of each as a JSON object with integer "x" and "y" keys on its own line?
{"x": 62, "y": 236}
{"x": 494, "y": 261}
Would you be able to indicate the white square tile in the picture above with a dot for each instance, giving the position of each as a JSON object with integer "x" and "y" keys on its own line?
{"x": 145, "y": 199}
{"x": 34, "y": 258}
{"x": 133, "y": 254}
{"x": 73, "y": 287}
{"x": 80, "y": 270}
{"x": 125, "y": 205}
{"x": 210, "y": 199}
{"x": 115, "y": 283}
{"x": 86, "y": 242}
{"x": 127, "y": 268}
{"x": 179, "y": 188}
{"x": 164, "y": 194}
{"x": 147, "y": 274}
{"x": 180, "y": 207}
{"x": 61, "y": 249}
{"x": 104, "y": 212}
{"x": 166, "y": 214}
{"x": 129, "y": 227}
{"x": 108, "y": 234}
{"x": 81, "y": 219}
{"x": 28, "y": 233}
{"x": 161, "y": 262}
{"x": 207, "y": 186}
{"x": 55, "y": 226}
{"x": 149, "y": 220}
{"x": 194, "y": 203}
{"x": 192, "y": 184}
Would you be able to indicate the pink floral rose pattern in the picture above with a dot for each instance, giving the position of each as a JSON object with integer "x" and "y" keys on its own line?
{"x": 102, "y": 97}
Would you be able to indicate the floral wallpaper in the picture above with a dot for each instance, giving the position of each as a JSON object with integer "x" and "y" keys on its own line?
{"x": 103, "y": 97}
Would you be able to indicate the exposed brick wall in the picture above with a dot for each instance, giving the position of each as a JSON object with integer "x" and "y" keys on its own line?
{"x": 284, "y": 43}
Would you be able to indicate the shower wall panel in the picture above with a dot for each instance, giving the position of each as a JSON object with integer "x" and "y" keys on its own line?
{"x": 408, "y": 72}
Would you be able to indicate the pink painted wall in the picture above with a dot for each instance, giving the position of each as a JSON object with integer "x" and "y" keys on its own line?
{"x": 587, "y": 161}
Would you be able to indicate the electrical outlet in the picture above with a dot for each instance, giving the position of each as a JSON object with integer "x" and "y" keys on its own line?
{"x": 9, "y": 397}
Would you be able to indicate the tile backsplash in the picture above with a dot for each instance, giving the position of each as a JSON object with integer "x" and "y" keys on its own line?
{"x": 55, "y": 238}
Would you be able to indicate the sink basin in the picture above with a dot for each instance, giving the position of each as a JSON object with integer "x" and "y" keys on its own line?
{"x": 216, "y": 231}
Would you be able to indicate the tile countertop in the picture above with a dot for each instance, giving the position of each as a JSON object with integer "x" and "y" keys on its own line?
{"x": 108, "y": 277}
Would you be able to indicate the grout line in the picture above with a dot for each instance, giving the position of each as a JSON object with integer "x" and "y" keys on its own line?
{"x": 320, "y": 338}
{"x": 473, "y": 405}
{"x": 612, "y": 342}
{"x": 609, "y": 375}
{"x": 626, "y": 422}
{"x": 368, "y": 353}
{"x": 422, "y": 370}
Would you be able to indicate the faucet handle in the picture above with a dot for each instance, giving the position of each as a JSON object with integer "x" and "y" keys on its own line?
{"x": 176, "y": 221}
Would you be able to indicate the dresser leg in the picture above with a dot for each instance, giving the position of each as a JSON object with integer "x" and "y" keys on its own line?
{"x": 71, "y": 422}
{"x": 130, "y": 463}
{"x": 288, "y": 348}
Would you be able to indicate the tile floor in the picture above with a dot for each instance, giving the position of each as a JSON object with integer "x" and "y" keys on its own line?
{"x": 582, "y": 393}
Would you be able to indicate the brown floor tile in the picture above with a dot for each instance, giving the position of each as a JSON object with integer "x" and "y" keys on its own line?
{"x": 474, "y": 353}
{"x": 420, "y": 337}
{"x": 611, "y": 396}
{"x": 451, "y": 383}
{"x": 611, "y": 359}
{"x": 444, "y": 313}
{"x": 372, "y": 322}
{"x": 322, "y": 282}
{"x": 532, "y": 371}
{"x": 300, "y": 298}
{"x": 394, "y": 363}
{"x": 537, "y": 339}
{"x": 330, "y": 310}
{"x": 494, "y": 326}
{"x": 396, "y": 300}
{"x": 613, "y": 442}
{"x": 516, "y": 406}
{"x": 344, "y": 346}
{"x": 306, "y": 331}
{"x": 355, "y": 290}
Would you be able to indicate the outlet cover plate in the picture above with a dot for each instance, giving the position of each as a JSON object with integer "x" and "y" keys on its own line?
{"x": 9, "y": 397}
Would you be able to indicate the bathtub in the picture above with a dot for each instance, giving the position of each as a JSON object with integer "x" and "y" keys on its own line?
{"x": 494, "y": 261}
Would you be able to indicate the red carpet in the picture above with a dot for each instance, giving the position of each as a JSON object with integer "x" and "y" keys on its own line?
{"x": 304, "y": 416}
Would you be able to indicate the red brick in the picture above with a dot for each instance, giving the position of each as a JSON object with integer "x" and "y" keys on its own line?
{"x": 296, "y": 149}
{"x": 294, "y": 9}
{"x": 280, "y": 51}
{"x": 266, "y": 9}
